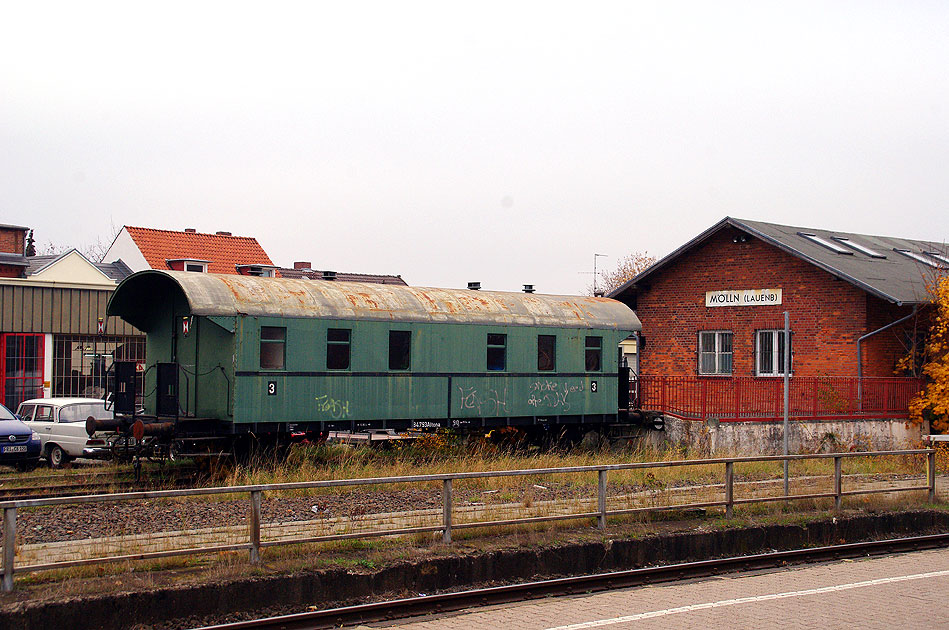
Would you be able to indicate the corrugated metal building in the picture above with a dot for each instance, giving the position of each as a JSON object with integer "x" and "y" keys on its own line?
{"x": 50, "y": 336}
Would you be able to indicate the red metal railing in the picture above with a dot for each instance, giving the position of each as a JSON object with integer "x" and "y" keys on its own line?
{"x": 743, "y": 399}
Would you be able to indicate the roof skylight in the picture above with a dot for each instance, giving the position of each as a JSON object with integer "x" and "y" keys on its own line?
{"x": 942, "y": 257}
{"x": 863, "y": 249}
{"x": 926, "y": 260}
{"x": 823, "y": 242}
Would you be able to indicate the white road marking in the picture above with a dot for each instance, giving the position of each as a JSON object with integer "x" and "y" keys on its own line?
{"x": 747, "y": 600}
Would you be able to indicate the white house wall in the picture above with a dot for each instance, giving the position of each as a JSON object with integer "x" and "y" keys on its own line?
{"x": 124, "y": 248}
{"x": 73, "y": 268}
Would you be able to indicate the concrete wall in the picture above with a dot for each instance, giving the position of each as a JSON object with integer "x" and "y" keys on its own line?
{"x": 767, "y": 438}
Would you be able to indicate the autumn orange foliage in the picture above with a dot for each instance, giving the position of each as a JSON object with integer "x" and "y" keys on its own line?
{"x": 933, "y": 402}
{"x": 628, "y": 268}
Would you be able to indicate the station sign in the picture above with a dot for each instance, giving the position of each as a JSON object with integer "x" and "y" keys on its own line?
{"x": 743, "y": 297}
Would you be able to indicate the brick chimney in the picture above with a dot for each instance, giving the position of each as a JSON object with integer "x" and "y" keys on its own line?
{"x": 190, "y": 230}
{"x": 303, "y": 265}
{"x": 223, "y": 233}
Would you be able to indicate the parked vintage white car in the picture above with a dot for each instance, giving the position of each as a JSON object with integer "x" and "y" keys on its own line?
{"x": 61, "y": 425}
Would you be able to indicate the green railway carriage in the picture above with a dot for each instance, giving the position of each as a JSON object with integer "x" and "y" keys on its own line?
{"x": 230, "y": 354}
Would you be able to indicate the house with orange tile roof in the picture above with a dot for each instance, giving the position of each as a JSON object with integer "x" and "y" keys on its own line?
{"x": 222, "y": 252}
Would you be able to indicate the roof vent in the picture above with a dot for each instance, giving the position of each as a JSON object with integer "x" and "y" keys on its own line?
{"x": 528, "y": 288}
{"x": 474, "y": 286}
{"x": 303, "y": 265}
{"x": 223, "y": 233}
{"x": 329, "y": 275}
{"x": 190, "y": 230}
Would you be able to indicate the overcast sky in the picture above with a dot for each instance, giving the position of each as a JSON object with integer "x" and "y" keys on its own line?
{"x": 451, "y": 142}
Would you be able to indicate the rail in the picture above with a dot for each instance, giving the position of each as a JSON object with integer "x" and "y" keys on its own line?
{"x": 255, "y": 543}
{"x": 750, "y": 399}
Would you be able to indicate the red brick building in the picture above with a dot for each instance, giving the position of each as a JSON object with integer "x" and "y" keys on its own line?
{"x": 715, "y": 306}
{"x": 12, "y": 257}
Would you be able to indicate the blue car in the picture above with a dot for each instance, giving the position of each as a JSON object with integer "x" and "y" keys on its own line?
{"x": 19, "y": 444}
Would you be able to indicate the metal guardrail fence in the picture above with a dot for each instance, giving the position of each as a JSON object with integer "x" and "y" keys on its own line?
{"x": 254, "y": 492}
{"x": 749, "y": 399}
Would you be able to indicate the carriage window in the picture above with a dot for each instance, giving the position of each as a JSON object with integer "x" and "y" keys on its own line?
{"x": 594, "y": 354}
{"x": 337, "y": 349}
{"x": 546, "y": 353}
{"x": 497, "y": 352}
{"x": 400, "y": 348}
{"x": 273, "y": 342}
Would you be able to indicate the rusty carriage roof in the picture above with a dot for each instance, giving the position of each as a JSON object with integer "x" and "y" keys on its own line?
{"x": 228, "y": 295}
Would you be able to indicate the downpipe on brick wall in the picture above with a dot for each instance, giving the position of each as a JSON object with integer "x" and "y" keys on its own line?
{"x": 860, "y": 352}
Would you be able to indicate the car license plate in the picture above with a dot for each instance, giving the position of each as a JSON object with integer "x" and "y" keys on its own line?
{"x": 21, "y": 448}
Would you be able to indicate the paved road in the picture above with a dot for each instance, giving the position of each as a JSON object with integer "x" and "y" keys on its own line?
{"x": 905, "y": 591}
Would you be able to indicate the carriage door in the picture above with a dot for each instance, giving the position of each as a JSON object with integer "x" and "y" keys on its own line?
{"x": 167, "y": 389}
{"x": 126, "y": 386}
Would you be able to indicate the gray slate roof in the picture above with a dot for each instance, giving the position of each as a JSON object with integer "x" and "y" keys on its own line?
{"x": 895, "y": 277}
{"x": 16, "y": 260}
{"x": 117, "y": 270}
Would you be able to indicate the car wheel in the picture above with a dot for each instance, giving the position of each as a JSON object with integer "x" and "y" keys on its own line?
{"x": 56, "y": 456}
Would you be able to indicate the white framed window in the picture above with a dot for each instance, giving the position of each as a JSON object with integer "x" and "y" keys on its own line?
{"x": 823, "y": 242}
{"x": 195, "y": 266}
{"x": 926, "y": 260}
{"x": 715, "y": 352}
{"x": 769, "y": 353}
{"x": 872, "y": 253}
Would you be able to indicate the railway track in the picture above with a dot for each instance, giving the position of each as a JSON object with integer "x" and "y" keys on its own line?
{"x": 446, "y": 602}
{"x": 83, "y": 483}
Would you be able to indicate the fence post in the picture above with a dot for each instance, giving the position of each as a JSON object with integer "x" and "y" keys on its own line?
{"x": 931, "y": 474}
{"x": 814, "y": 412}
{"x": 254, "y": 526}
{"x": 601, "y": 499}
{"x": 9, "y": 547}
{"x": 838, "y": 483}
{"x": 729, "y": 489}
{"x": 446, "y": 511}
{"x": 703, "y": 392}
{"x": 662, "y": 394}
{"x": 737, "y": 381}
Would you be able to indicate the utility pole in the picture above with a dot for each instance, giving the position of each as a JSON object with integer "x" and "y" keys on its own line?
{"x": 595, "y": 256}
{"x": 787, "y": 386}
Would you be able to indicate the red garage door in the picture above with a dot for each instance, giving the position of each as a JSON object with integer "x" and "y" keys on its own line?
{"x": 21, "y": 373}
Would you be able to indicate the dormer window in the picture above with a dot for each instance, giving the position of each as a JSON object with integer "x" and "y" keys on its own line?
{"x": 260, "y": 271}
{"x": 188, "y": 264}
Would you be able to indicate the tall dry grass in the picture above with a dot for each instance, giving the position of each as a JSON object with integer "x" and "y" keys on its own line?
{"x": 444, "y": 453}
